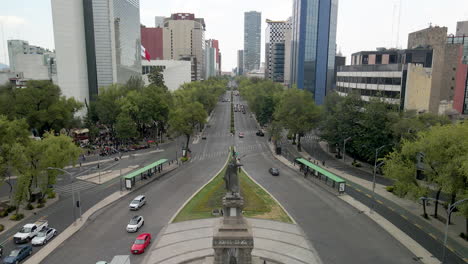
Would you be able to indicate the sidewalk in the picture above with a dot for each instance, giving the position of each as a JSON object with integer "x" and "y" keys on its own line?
{"x": 408, "y": 209}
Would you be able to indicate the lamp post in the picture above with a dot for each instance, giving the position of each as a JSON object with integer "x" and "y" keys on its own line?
{"x": 450, "y": 208}
{"x": 344, "y": 147}
{"x": 73, "y": 191}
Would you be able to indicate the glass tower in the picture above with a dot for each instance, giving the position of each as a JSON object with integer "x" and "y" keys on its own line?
{"x": 252, "y": 38}
{"x": 313, "y": 46}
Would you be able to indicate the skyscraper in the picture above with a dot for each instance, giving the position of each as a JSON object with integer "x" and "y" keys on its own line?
{"x": 184, "y": 38}
{"x": 252, "y": 39}
{"x": 97, "y": 43}
{"x": 275, "y": 38}
{"x": 314, "y": 46}
{"x": 240, "y": 62}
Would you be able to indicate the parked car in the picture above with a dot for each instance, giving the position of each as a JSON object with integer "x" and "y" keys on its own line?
{"x": 241, "y": 134}
{"x": 274, "y": 171}
{"x": 18, "y": 254}
{"x": 260, "y": 133}
{"x": 135, "y": 223}
{"x": 138, "y": 202}
{"x": 29, "y": 231}
{"x": 44, "y": 236}
{"x": 141, "y": 243}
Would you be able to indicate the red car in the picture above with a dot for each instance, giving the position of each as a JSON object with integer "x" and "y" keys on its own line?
{"x": 141, "y": 243}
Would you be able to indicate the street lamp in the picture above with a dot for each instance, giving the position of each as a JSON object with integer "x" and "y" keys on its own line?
{"x": 73, "y": 191}
{"x": 344, "y": 147}
{"x": 450, "y": 208}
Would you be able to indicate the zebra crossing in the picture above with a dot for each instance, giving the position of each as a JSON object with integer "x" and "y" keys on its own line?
{"x": 78, "y": 185}
{"x": 210, "y": 155}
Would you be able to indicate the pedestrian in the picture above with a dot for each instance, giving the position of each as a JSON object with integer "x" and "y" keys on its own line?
{"x": 323, "y": 163}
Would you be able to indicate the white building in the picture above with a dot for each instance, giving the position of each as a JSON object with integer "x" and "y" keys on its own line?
{"x": 175, "y": 73}
{"x": 275, "y": 49}
{"x": 97, "y": 44}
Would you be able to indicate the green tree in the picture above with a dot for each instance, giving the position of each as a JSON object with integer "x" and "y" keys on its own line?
{"x": 156, "y": 77}
{"x": 298, "y": 113}
{"x": 125, "y": 127}
{"x": 184, "y": 119}
{"x": 108, "y": 105}
{"x": 444, "y": 150}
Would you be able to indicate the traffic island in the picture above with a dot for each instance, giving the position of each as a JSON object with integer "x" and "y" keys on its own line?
{"x": 258, "y": 203}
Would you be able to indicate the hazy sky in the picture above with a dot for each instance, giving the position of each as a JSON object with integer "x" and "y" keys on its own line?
{"x": 362, "y": 24}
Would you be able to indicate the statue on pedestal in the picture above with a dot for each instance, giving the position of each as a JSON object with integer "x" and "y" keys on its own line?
{"x": 230, "y": 177}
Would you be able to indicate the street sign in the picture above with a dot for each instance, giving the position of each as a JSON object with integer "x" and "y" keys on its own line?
{"x": 341, "y": 187}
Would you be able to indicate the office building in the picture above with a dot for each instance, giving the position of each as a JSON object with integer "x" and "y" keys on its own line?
{"x": 97, "y": 44}
{"x": 313, "y": 47}
{"x": 184, "y": 39}
{"x": 275, "y": 49}
{"x": 252, "y": 40}
{"x": 152, "y": 40}
{"x": 28, "y": 62}
{"x": 175, "y": 73}
{"x": 240, "y": 62}
{"x": 212, "y": 58}
{"x": 384, "y": 74}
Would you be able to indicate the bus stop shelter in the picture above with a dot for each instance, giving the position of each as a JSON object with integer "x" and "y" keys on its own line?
{"x": 143, "y": 173}
{"x": 323, "y": 175}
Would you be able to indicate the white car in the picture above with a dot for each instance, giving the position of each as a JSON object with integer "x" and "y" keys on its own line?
{"x": 135, "y": 223}
{"x": 44, "y": 236}
{"x": 138, "y": 202}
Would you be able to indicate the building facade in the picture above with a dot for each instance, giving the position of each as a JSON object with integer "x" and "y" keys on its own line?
{"x": 184, "y": 38}
{"x": 28, "y": 62}
{"x": 97, "y": 43}
{"x": 275, "y": 49}
{"x": 462, "y": 28}
{"x": 240, "y": 62}
{"x": 385, "y": 74}
{"x": 175, "y": 73}
{"x": 252, "y": 40}
{"x": 152, "y": 40}
{"x": 313, "y": 47}
{"x": 460, "y": 101}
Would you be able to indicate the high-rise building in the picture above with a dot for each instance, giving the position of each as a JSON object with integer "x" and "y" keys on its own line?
{"x": 184, "y": 38}
{"x": 159, "y": 21}
{"x": 240, "y": 62}
{"x": 97, "y": 44}
{"x": 212, "y": 58}
{"x": 314, "y": 46}
{"x": 252, "y": 40}
{"x": 460, "y": 100}
{"x": 152, "y": 41}
{"x": 275, "y": 49}
{"x": 462, "y": 28}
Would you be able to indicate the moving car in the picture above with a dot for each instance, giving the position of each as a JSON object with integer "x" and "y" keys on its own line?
{"x": 138, "y": 202}
{"x": 44, "y": 236}
{"x": 241, "y": 134}
{"x": 135, "y": 223}
{"x": 274, "y": 171}
{"x": 18, "y": 254}
{"x": 260, "y": 133}
{"x": 141, "y": 243}
{"x": 29, "y": 231}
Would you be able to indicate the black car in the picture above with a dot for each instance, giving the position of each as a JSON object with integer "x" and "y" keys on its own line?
{"x": 274, "y": 171}
{"x": 260, "y": 133}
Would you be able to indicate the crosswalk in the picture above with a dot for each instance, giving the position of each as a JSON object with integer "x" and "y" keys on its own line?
{"x": 78, "y": 185}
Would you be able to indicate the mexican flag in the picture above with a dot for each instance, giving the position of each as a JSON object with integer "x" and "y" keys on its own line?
{"x": 145, "y": 54}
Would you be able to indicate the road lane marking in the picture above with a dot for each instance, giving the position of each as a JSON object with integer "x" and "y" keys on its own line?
{"x": 391, "y": 208}
{"x": 404, "y": 217}
{"x": 432, "y": 235}
{"x": 380, "y": 202}
{"x": 368, "y": 195}
{"x": 418, "y": 226}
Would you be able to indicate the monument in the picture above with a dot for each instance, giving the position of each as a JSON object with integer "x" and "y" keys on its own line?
{"x": 233, "y": 240}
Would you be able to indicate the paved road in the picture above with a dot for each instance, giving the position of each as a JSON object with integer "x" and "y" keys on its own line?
{"x": 104, "y": 235}
{"x": 338, "y": 232}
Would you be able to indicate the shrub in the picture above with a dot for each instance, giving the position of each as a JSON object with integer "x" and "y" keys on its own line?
{"x": 2, "y": 227}
{"x": 184, "y": 159}
{"x": 462, "y": 235}
{"x": 29, "y": 207}
{"x": 11, "y": 208}
{"x": 390, "y": 188}
{"x": 16, "y": 217}
{"x": 42, "y": 201}
{"x": 357, "y": 164}
{"x": 50, "y": 194}
{"x": 40, "y": 205}
{"x": 4, "y": 213}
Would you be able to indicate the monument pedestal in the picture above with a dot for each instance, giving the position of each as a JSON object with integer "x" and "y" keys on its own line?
{"x": 233, "y": 239}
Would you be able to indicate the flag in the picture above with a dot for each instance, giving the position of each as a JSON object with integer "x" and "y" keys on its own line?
{"x": 145, "y": 54}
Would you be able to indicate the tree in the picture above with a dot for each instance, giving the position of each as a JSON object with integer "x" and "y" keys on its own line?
{"x": 125, "y": 127}
{"x": 156, "y": 77}
{"x": 444, "y": 150}
{"x": 184, "y": 119}
{"x": 297, "y": 112}
{"x": 275, "y": 132}
{"x": 108, "y": 105}
{"x": 41, "y": 105}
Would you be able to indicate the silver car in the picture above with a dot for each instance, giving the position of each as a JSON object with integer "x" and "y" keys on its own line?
{"x": 135, "y": 223}
{"x": 44, "y": 236}
{"x": 138, "y": 202}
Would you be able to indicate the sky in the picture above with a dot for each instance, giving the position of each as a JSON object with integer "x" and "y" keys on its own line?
{"x": 362, "y": 24}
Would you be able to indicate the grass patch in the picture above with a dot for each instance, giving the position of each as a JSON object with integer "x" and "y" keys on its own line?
{"x": 258, "y": 203}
